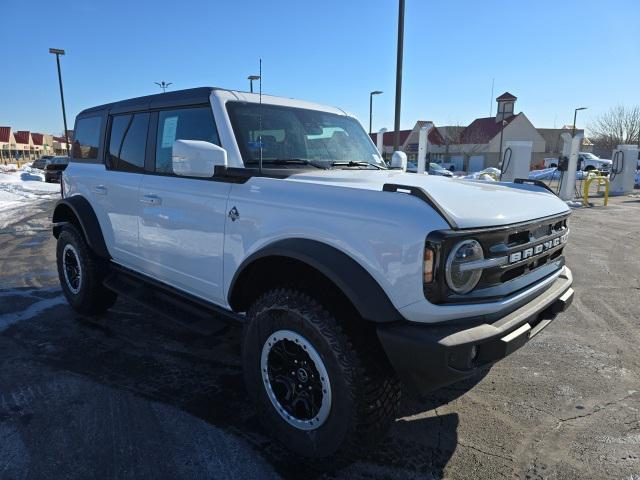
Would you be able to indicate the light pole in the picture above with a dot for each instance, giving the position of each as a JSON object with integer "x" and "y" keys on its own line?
{"x": 504, "y": 124}
{"x": 396, "y": 134}
{"x": 57, "y": 52}
{"x": 163, "y": 85}
{"x": 251, "y": 78}
{"x": 375, "y": 92}
{"x": 575, "y": 115}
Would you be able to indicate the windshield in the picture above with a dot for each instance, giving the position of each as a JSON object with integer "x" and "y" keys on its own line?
{"x": 436, "y": 166}
{"x": 589, "y": 156}
{"x": 296, "y": 134}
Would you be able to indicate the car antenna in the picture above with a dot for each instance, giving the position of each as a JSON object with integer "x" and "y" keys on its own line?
{"x": 260, "y": 118}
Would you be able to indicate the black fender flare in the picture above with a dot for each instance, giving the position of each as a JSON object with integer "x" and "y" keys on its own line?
{"x": 87, "y": 220}
{"x": 353, "y": 280}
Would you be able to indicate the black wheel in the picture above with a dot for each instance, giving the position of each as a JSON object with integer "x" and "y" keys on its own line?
{"x": 81, "y": 273}
{"x": 315, "y": 391}
{"x": 553, "y": 165}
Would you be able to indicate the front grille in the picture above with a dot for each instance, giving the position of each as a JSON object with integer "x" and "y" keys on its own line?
{"x": 533, "y": 251}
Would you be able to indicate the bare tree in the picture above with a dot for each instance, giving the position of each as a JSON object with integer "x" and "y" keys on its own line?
{"x": 459, "y": 140}
{"x": 619, "y": 125}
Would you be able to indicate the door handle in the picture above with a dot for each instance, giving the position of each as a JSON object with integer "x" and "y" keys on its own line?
{"x": 99, "y": 189}
{"x": 151, "y": 199}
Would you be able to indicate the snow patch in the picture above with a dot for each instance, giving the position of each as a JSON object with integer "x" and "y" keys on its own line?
{"x": 22, "y": 187}
{"x": 31, "y": 311}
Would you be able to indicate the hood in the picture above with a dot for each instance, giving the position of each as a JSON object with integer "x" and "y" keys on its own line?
{"x": 470, "y": 203}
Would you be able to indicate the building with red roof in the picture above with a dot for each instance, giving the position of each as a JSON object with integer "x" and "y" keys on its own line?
{"x": 476, "y": 146}
{"x": 27, "y": 146}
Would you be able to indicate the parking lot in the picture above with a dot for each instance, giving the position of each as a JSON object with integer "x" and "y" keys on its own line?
{"x": 130, "y": 395}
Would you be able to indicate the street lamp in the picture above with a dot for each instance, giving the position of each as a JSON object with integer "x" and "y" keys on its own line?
{"x": 251, "y": 78}
{"x": 396, "y": 134}
{"x": 57, "y": 52}
{"x": 163, "y": 85}
{"x": 575, "y": 114}
{"x": 375, "y": 92}
{"x": 504, "y": 124}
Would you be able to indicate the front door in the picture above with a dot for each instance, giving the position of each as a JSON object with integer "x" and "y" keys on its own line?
{"x": 181, "y": 228}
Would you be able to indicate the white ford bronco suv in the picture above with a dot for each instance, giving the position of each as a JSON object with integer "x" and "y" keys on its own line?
{"x": 352, "y": 280}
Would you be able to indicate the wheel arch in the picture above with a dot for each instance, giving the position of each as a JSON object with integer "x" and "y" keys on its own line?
{"x": 77, "y": 210}
{"x": 304, "y": 261}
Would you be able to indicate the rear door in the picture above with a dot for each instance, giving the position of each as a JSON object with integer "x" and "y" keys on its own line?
{"x": 182, "y": 219}
{"x": 117, "y": 190}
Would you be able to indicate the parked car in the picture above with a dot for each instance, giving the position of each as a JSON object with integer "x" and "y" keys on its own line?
{"x": 353, "y": 281}
{"x": 41, "y": 162}
{"x": 437, "y": 169}
{"x": 54, "y": 168}
{"x": 434, "y": 169}
{"x": 586, "y": 162}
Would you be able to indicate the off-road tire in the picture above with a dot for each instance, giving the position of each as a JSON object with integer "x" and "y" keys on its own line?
{"x": 365, "y": 393}
{"x": 90, "y": 297}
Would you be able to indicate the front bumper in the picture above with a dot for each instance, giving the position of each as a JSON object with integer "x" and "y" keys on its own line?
{"x": 428, "y": 357}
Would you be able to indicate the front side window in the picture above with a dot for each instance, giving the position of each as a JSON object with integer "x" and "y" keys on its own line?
{"x": 287, "y": 133}
{"x": 182, "y": 124}
{"x": 128, "y": 141}
{"x": 87, "y": 138}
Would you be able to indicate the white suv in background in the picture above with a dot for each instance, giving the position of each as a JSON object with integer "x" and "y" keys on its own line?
{"x": 352, "y": 281}
{"x": 586, "y": 162}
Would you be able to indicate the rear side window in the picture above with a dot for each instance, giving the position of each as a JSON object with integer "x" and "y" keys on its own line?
{"x": 182, "y": 124}
{"x": 86, "y": 139}
{"x": 127, "y": 142}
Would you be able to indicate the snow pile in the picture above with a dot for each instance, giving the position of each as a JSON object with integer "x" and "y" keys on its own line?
{"x": 22, "y": 188}
{"x": 544, "y": 174}
{"x": 554, "y": 174}
{"x": 12, "y": 167}
{"x": 490, "y": 174}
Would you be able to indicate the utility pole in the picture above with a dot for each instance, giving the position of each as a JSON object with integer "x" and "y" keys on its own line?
{"x": 57, "y": 52}
{"x": 396, "y": 133}
{"x": 163, "y": 85}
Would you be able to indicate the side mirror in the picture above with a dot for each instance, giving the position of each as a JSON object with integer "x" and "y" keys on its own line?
{"x": 195, "y": 158}
{"x": 399, "y": 160}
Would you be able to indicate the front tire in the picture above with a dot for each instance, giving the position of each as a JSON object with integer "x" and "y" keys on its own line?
{"x": 315, "y": 391}
{"x": 81, "y": 273}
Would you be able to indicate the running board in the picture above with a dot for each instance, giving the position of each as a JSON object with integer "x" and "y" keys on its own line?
{"x": 182, "y": 308}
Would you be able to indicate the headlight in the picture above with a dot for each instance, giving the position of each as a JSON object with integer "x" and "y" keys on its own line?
{"x": 461, "y": 275}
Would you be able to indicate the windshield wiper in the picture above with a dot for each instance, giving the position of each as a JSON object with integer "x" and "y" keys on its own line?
{"x": 352, "y": 163}
{"x": 289, "y": 161}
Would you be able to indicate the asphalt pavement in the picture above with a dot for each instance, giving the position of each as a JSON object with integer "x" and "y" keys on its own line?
{"x": 132, "y": 395}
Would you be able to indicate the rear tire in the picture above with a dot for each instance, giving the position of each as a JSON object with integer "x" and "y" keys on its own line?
{"x": 81, "y": 273}
{"x": 314, "y": 416}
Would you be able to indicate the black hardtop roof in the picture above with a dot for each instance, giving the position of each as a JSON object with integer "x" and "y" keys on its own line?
{"x": 190, "y": 96}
